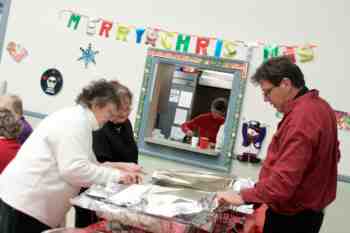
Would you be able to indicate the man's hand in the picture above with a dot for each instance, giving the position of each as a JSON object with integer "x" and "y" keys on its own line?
{"x": 229, "y": 198}
{"x": 130, "y": 178}
{"x": 189, "y": 133}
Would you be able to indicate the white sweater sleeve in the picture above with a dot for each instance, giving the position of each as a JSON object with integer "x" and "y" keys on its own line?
{"x": 75, "y": 160}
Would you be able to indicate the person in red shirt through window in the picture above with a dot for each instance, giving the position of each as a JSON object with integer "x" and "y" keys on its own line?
{"x": 10, "y": 128}
{"x": 207, "y": 124}
{"x": 298, "y": 179}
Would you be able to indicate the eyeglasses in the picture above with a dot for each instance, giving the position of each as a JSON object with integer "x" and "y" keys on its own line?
{"x": 112, "y": 111}
{"x": 267, "y": 92}
{"x": 125, "y": 108}
{"x": 122, "y": 112}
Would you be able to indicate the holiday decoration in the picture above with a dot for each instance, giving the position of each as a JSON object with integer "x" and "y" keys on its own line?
{"x": 151, "y": 37}
{"x": 230, "y": 49}
{"x": 202, "y": 45}
{"x": 166, "y": 39}
{"x": 74, "y": 20}
{"x": 139, "y": 34}
{"x": 16, "y": 51}
{"x": 88, "y": 56}
{"x": 51, "y": 81}
{"x": 305, "y": 53}
{"x": 122, "y": 33}
{"x": 91, "y": 27}
{"x": 290, "y": 52}
{"x": 106, "y": 26}
{"x": 279, "y": 115}
{"x": 218, "y": 48}
{"x": 270, "y": 51}
{"x": 180, "y": 42}
{"x": 183, "y": 41}
{"x": 253, "y": 136}
{"x": 343, "y": 120}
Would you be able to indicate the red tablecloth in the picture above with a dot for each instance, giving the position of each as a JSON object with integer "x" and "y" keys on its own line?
{"x": 228, "y": 221}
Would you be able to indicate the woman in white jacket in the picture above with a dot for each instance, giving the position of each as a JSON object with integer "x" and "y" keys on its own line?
{"x": 56, "y": 161}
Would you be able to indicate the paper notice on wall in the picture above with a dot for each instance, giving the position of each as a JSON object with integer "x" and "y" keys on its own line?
{"x": 180, "y": 116}
{"x": 185, "y": 99}
{"x": 176, "y": 133}
{"x": 174, "y": 95}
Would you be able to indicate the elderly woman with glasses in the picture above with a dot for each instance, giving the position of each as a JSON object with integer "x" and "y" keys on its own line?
{"x": 9, "y": 130}
{"x": 114, "y": 142}
{"x": 57, "y": 160}
{"x": 15, "y": 104}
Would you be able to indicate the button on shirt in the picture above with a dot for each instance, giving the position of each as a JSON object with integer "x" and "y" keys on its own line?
{"x": 300, "y": 170}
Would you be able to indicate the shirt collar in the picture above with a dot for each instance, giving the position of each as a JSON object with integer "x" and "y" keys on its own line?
{"x": 292, "y": 103}
{"x": 91, "y": 118}
{"x": 302, "y": 91}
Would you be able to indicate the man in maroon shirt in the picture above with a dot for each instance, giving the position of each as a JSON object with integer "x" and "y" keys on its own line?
{"x": 298, "y": 178}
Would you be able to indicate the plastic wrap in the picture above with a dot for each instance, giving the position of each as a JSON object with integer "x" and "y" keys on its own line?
{"x": 210, "y": 182}
{"x": 175, "y": 202}
{"x": 156, "y": 210}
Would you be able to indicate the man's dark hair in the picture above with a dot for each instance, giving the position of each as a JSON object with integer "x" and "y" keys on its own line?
{"x": 278, "y": 68}
{"x": 219, "y": 105}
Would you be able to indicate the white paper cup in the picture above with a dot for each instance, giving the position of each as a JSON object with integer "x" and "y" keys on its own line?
{"x": 194, "y": 141}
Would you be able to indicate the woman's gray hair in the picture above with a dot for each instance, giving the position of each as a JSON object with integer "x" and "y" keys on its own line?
{"x": 9, "y": 126}
{"x": 13, "y": 103}
{"x": 100, "y": 93}
{"x": 17, "y": 104}
{"x": 123, "y": 92}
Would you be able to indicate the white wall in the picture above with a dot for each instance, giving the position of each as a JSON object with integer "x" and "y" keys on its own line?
{"x": 36, "y": 26}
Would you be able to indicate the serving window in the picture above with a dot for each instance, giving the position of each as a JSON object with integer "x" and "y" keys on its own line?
{"x": 178, "y": 88}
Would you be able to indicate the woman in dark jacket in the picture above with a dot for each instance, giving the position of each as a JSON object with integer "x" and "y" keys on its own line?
{"x": 114, "y": 142}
